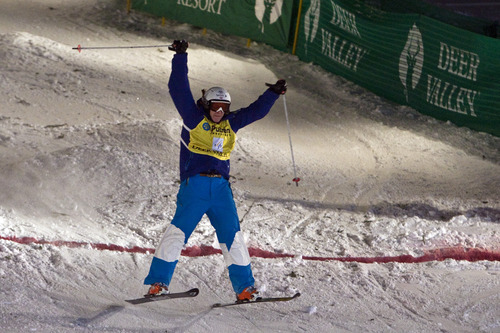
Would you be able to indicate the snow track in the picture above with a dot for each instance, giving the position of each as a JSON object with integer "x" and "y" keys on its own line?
{"x": 394, "y": 226}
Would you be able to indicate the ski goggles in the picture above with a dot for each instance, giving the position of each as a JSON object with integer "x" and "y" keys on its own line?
{"x": 220, "y": 107}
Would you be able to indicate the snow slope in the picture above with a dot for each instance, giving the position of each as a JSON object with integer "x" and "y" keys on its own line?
{"x": 88, "y": 160}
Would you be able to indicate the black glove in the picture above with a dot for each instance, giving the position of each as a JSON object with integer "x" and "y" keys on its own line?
{"x": 279, "y": 87}
{"x": 179, "y": 46}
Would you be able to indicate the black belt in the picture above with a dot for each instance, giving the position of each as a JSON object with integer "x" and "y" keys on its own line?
{"x": 210, "y": 174}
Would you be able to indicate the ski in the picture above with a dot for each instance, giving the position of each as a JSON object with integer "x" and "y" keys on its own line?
{"x": 258, "y": 300}
{"x": 190, "y": 293}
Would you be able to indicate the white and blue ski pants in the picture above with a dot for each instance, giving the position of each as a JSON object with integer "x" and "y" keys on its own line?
{"x": 197, "y": 196}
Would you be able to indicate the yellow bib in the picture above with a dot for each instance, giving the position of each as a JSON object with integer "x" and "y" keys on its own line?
{"x": 209, "y": 138}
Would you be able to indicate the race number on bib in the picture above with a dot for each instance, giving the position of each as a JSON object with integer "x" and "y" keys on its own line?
{"x": 218, "y": 144}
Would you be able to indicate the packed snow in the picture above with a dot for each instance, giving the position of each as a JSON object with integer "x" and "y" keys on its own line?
{"x": 89, "y": 155}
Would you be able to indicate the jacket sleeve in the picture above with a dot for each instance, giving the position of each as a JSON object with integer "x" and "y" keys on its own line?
{"x": 255, "y": 111}
{"x": 179, "y": 88}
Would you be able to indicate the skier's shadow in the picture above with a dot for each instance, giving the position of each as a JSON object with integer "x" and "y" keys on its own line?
{"x": 99, "y": 317}
{"x": 189, "y": 323}
{"x": 114, "y": 309}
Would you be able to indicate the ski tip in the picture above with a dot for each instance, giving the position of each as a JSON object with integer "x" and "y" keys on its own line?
{"x": 296, "y": 295}
{"x": 194, "y": 291}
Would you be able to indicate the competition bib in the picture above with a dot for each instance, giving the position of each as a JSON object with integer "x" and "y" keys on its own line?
{"x": 209, "y": 138}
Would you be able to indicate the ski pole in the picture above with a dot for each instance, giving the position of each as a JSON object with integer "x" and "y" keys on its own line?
{"x": 80, "y": 48}
{"x": 295, "y": 178}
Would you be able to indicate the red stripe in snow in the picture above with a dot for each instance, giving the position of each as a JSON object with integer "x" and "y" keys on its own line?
{"x": 456, "y": 253}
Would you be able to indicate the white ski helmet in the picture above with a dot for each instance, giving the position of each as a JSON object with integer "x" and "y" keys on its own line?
{"x": 215, "y": 94}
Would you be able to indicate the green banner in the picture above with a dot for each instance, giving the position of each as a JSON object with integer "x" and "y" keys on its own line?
{"x": 470, "y": 23}
{"x": 440, "y": 70}
{"x": 266, "y": 21}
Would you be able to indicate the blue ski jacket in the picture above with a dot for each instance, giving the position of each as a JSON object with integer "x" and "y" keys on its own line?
{"x": 206, "y": 146}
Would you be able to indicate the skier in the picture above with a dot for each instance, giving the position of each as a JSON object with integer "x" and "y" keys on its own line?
{"x": 207, "y": 139}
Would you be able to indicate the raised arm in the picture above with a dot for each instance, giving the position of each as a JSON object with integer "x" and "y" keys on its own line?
{"x": 260, "y": 108}
{"x": 178, "y": 84}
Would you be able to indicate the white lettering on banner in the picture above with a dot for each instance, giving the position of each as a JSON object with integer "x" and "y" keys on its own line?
{"x": 344, "y": 19}
{"x": 446, "y": 95}
{"x": 450, "y": 97}
{"x": 341, "y": 51}
{"x": 209, "y": 6}
{"x": 458, "y": 62}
